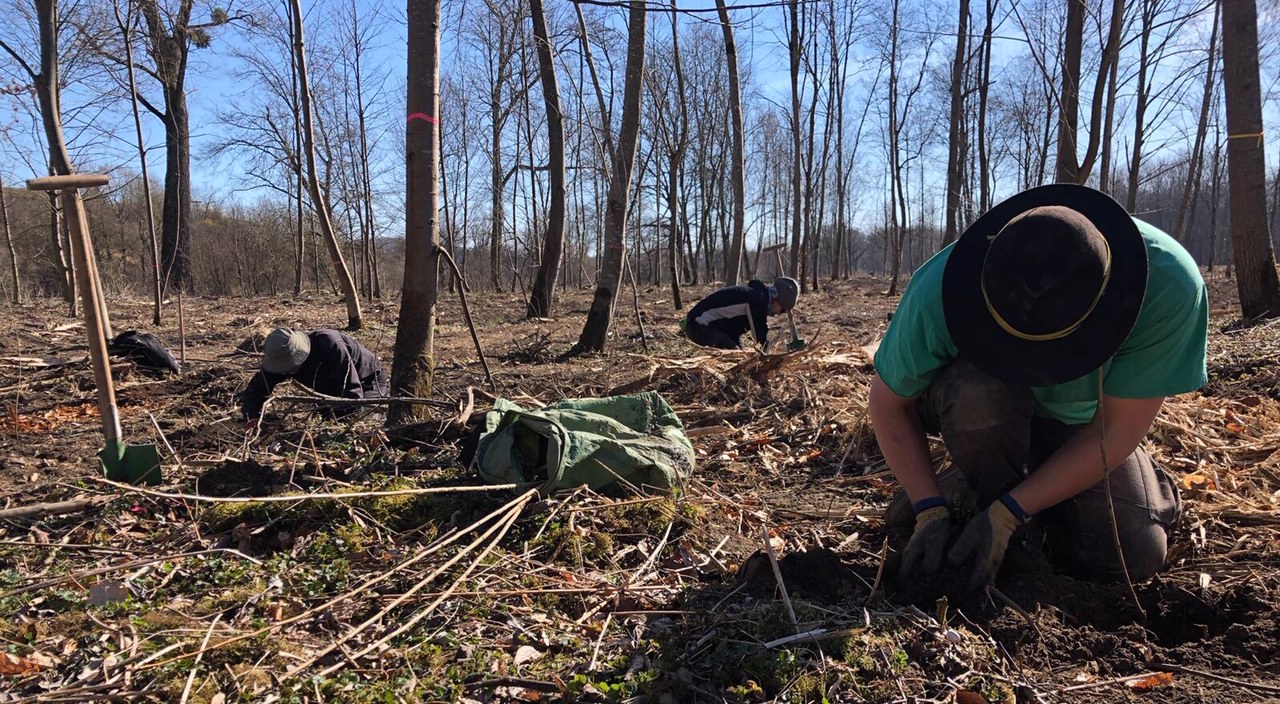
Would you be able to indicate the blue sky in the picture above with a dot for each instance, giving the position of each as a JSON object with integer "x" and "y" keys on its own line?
{"x": 211, "y": 85}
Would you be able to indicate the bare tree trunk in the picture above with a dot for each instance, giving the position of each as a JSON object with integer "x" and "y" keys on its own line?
{"x": 553, "y": 246}
{"x": 733, "y": 258}
{"x": 370, "y": 254}
{"x": 955, "y": 165}
{"x": 126, "y": 29}
{"x": 677, "y": 152}
{"x": 48, "y": 92}
{"x": 793, "y": 44}
{"x": 413, "y": 364}
{"x": 354, "y": 318}
{"x": 59, "y": 252}
{"x": 596, "y": 329}
{"x": 984, "y": 155}
{"x": 1255, "y": 262}
{"x": 170, "y": 52}
{"x": 897, "y": 205}
{"x": 1147, "y": 12}
{"x": 1067, "y": 167}
{"x": 838, "y": 68}
{"x": 496, "y": 187}
{"x": 1108, "y": 131}
{"x": 300, "y": 263}
{"x": 1110, "y": 55}
{"x": 450, "y": 206}
{"x": 8, "y": 241}
{"x": 1215, "y": 198}
{"x": 809, "y": 247}
{"x": 1191, "y": 189}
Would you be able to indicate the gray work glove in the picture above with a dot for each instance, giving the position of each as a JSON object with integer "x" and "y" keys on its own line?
{"x": 984, "y": 541}
{"x": 928, "y": 543}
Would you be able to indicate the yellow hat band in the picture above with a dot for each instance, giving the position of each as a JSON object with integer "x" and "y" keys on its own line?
{"x": 1058, "y": 335}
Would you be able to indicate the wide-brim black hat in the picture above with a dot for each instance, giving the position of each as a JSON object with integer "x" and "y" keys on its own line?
{"x": 987, "y": 339}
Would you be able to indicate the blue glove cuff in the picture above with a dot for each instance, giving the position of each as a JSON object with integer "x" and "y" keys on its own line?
{"x": 926, "y": 504}
{"x": 1014, "y": 507}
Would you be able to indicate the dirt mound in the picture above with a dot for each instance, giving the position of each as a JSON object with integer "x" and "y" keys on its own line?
{"x": 236, "y": 478}
{"x": 817, "y": 574}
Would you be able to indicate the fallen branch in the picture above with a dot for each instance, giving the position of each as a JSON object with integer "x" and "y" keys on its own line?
{"x": 466, "y": 313}
{"x": 815, "y": 635}
{"x": 991, "y": 589}
{"x": 777, "y": 575}
{"x": 191, "y": 674}
{"x": 286, "y": 498}
{"x": 55, "y": 508}
{"x": 362, "y": 587}
{"x": 875, "y": 587}
{"x": 500, "y": 527}
{"x": 635, "y": 298}
{"x": 380, "y": 401}
{"x": 467, "y": 408}
{"x": 1255, "y": 686}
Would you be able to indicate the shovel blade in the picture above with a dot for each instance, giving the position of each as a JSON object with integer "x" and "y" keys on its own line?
{"x": 132, "y": 464}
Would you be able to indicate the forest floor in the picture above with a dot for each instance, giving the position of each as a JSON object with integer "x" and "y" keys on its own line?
{"x": 485, "y": 596}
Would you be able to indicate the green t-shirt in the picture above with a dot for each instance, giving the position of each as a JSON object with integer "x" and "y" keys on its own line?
{"x": 1164, "y": 354}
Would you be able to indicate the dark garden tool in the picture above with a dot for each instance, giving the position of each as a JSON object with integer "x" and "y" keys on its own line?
{"x": 796, "y": 342}
{"x": 129, "y": 463}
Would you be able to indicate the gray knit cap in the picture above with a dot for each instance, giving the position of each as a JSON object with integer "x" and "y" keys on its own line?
{"x": 285, "y": 350}
{"x": 788, "y": 291}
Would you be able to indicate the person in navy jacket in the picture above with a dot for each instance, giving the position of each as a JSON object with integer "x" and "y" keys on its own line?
{"x": 722, "y": 318}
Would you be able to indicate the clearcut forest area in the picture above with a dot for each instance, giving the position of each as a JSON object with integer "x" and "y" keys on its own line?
{"x": 157, "y": 594}
{"x": 529, "y": 211}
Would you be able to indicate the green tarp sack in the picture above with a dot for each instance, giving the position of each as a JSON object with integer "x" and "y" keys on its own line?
{"x": 606, "y": 443}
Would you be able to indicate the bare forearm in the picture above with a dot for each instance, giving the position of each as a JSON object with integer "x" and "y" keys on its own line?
{"x": 902, "y": 440}
{"x": 1078, "y": 465}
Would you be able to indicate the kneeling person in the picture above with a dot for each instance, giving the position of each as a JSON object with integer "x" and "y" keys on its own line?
{"x": 1043, "y": 341}
{"x": 722, "y": 318}
{"x": 324, "y": 360}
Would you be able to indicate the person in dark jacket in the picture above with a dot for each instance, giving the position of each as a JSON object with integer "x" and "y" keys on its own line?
{"x": 324, "y": 360}
{"x": 722, "y": 318}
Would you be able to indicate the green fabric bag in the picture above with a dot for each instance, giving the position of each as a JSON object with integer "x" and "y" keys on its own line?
{"x": 634, "y": 440}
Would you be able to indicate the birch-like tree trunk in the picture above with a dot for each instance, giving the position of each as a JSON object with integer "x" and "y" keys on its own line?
{"x": 16, "y": 296}
{"x": 49, "y": 93}
{"x": 737, "y": 169}
{"x": 318, "y": 199}
{"x": 599, "y": 318}
{"x": 1191, "y": 188}
{"x": 126, "y": 30}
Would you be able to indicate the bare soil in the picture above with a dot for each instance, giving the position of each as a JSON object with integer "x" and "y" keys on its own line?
{"x": 589, "y": 598}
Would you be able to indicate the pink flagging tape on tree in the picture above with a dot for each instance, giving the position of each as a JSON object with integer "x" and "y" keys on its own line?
{"x": 423, "y": 116}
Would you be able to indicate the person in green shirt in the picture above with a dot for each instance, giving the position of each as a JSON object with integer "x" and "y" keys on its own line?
{"x": 1041, "y": 345}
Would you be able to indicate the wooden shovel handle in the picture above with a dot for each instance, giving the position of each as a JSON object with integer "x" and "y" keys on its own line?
{"x": 91, "y": 302}
{"x": 57, "y": 183}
